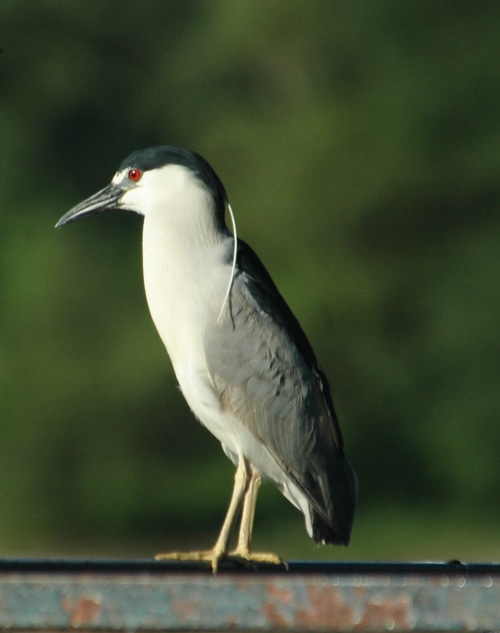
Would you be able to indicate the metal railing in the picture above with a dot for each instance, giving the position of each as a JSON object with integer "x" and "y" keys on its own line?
{"x": 128, "y": 595}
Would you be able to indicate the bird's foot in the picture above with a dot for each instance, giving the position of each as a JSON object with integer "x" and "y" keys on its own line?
{"x": 239, "y": 556}
{"x": 244, "y": 556}
{"x": 212, "y": 556}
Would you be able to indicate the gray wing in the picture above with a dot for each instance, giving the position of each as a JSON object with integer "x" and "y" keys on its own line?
{"x": 266, "y": 373}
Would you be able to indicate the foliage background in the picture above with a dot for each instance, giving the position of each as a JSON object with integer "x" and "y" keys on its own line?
{"x": 360, "y": 146}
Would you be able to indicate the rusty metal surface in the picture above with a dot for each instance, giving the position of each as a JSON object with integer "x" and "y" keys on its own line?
{"x": 147, "y": 595}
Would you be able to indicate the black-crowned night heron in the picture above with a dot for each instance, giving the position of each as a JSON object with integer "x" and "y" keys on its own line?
{"x": 241, "y": 358}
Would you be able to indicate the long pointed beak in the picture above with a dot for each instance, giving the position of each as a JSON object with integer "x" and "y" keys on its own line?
{"x": 107, "y": 198}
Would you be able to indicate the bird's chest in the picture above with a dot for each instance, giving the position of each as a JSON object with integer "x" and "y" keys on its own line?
{"x": 185, "y": 296}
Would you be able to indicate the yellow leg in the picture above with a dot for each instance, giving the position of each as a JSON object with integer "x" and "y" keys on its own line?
{"x": 219, "y": 550}
{"x": 248, "y": 514}
{"x": 241, "y": 479}
{"x": 243, "y": 548}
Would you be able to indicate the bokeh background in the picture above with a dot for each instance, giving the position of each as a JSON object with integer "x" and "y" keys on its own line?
{"x": 360, "y": 146}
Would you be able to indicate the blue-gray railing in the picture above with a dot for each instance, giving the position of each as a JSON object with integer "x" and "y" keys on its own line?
{"x": 123, "y": 595}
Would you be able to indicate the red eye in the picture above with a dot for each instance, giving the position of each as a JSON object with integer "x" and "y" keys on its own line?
{"x": 135, "y": 175}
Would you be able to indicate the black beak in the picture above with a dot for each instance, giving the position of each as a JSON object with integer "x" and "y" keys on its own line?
{"x": 107, "y": 198}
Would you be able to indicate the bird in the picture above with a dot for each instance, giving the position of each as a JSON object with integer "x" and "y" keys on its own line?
{"x": 240, "y": 356}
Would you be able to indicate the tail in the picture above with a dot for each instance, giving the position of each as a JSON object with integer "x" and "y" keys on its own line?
{"x": 340, "y": 491}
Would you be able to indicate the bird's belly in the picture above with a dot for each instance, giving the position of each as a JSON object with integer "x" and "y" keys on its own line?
{"x": 236, "y": 438}
{"x": 203, "y": 401}
{"x": 182, "y": 334}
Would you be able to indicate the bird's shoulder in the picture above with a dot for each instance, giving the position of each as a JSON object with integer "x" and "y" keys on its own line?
{"x": 262, "y": 290}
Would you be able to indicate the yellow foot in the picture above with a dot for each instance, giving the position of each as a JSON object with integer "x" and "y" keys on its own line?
{"x": 214, "y": 557}
{"x": 246, "y": 557}
{"x": 211, "y": 556}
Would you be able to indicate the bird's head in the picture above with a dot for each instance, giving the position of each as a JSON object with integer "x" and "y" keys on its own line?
{"x": 158, "y": 181}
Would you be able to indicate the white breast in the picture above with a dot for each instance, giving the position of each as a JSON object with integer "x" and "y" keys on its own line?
{"x": 185, "y": 281}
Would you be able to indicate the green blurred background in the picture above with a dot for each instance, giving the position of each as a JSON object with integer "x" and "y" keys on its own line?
{"x": 360, "y": 146}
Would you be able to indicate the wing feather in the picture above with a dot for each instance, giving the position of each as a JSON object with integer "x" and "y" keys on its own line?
{"x": 265, "y": 372}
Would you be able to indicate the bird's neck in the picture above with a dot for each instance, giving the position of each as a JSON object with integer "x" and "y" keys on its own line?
{"x": 185, "y": 276}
